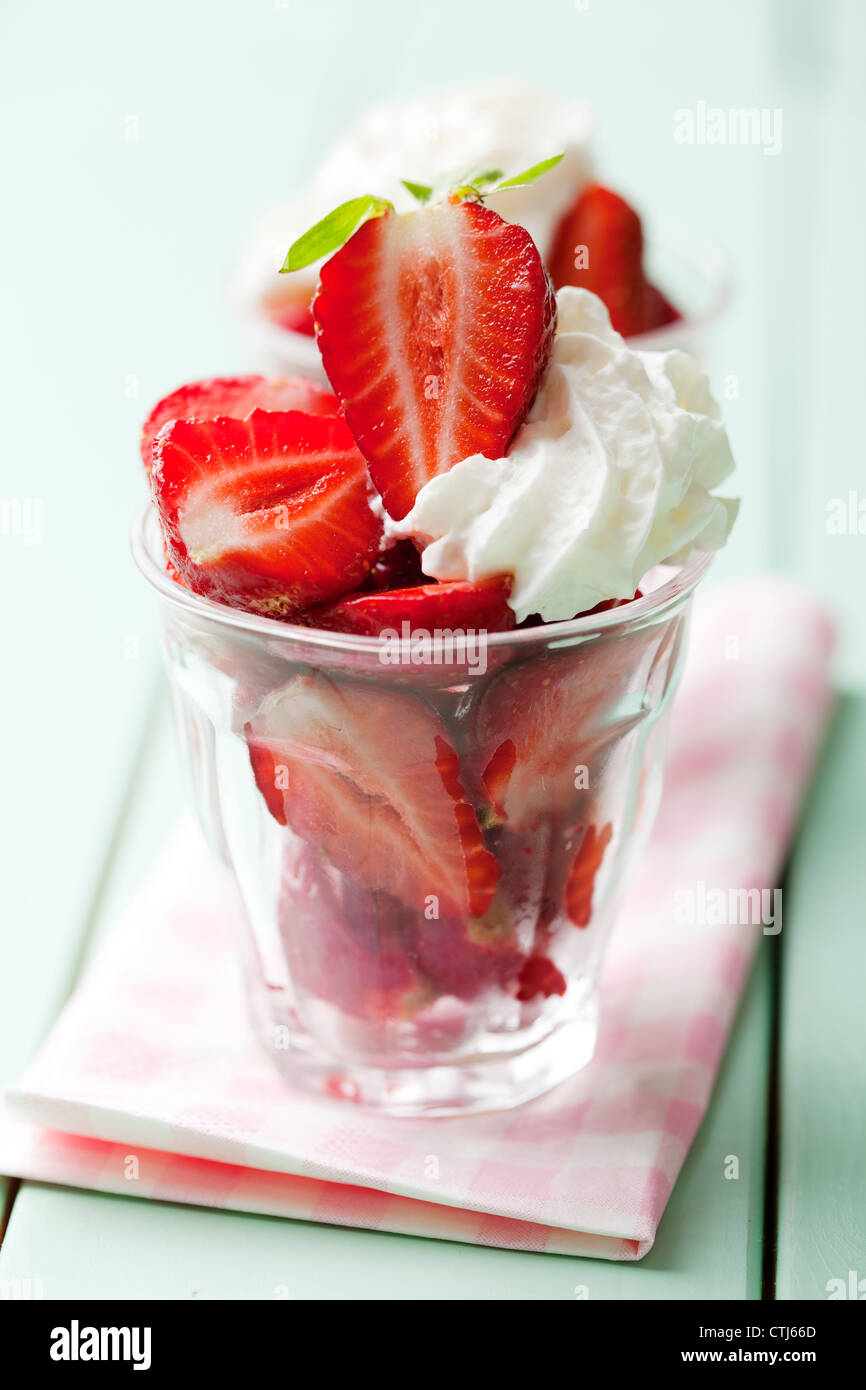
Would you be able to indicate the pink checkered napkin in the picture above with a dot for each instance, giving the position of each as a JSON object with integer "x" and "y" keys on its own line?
{"x": 153, "y": 1054}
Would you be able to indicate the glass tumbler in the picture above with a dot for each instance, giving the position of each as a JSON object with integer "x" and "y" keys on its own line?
{"x": 430, "y": 832}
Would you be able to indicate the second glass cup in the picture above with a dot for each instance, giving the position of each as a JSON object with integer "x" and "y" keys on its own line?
{"x": 430, "y": 833}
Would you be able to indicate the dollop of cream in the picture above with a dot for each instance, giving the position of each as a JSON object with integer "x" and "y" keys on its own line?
{"x": 613, "y": 471}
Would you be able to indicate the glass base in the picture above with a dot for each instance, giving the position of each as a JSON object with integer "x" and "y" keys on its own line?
{"x": 464, "y": 1085}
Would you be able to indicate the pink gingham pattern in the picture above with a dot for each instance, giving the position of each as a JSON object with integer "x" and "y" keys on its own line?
{"x": 153, "y": 1056}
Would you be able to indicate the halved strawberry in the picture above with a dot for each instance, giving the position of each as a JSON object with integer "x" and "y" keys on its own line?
{"x": 605, "y": 230}
{"x": 539, "y": 975}
{"x": 372, "y": 777}
{"x": 456, "y": 606}
{"x": 657, "y": 310}
{"x": 342, "y": 943}
{"x": 269, "y": 513}
{"x": 580, "y": 884}
{"x": 235, "y": 396}
{"x": 541, "y": 729}
{"x": 465, "y": 956}
{"x": 295, "y": 319}
{"x": 434, "y": 328}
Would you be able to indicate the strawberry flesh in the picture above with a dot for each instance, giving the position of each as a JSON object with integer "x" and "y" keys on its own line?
{"x": 580, "y": 884}
{"x": 295, "y": 319}
{"x": 465, "y": 957}
{"x": 538, "y": 722}
{"x": 539, "y": 975}
{"x": 398, "y": 567}
{"x": 268, "y": 514}
{"x": 235, "y": 396}
{"x": 371, "y": 776}
{"x": 343, "y": 944}
{"x": 457, "y": 606}
{"x": 435, "y": 329}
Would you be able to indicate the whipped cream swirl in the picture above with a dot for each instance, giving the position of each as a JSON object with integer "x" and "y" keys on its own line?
{"x": 612, "y": 472}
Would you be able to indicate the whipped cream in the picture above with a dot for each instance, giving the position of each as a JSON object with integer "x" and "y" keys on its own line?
{"x": 500, "y": 125}
{"x": 612, "y": 472}
{"x": 494, "y": 125}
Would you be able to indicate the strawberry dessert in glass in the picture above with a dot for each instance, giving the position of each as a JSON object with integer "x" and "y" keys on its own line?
{"x": 665, "y": 290}
{"x": 423, "y": 630}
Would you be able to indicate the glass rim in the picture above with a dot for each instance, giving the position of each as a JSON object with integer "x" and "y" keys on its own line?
{"x": 652, "y": 605}
{"x": 713, "y": 263}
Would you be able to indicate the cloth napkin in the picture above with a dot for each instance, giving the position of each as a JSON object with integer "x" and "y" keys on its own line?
{"x": 151, "y": 1083}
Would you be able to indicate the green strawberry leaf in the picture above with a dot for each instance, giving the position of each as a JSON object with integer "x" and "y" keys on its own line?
{"x": 480, "y": 179}
{"x": 333, "y": 231}
{"x": 422, "y": 191}
{"x": 528, "y": 175}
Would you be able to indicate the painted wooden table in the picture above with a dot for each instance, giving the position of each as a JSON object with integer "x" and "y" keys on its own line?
{"x": 139, "y": 142}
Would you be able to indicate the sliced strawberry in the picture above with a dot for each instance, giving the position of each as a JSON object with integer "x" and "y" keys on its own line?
{"x": 235, "y": 396}
{"x": 585, "y": 865}
{"x": 456, "y": 606}
{"x": 372, "y": 777}
{"x": 398, "y": 567}
{"x": 343, "y": 944}
{"x": 295, "y": 319}
{"x": 466, "y": 956}
{"x": 434, "y": 329}
{"x": 269, "y": 513}
{"x": 605, "y": 230}
{"x": 542, "y": 728}
{"x": 539, "y": 975}
{"x": 657, "y": 311}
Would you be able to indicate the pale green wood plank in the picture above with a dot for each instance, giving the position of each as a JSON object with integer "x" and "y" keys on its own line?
{"x": 80, "y": 1243}
{"x": 822, "y": 1201}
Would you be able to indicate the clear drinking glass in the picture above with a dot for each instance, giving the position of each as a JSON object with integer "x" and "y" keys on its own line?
{"x": 430, "y": 837}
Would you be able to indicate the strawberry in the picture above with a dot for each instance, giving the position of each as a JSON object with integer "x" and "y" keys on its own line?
{"x": 469, "y": 955}
{"x": 398, "y": 567}
{"x": 371, "y": 776}
{"x": 434, "y": 328}
{"x": 235, "y": 396}
{"x": 460, "y": 606}
{"x": 608, "y": 231}
{"x": 581, "y": 876}
{"x": 342, "y": 943}
{"x": 269, "y": 513}
{"x": 657, "y": 311}
{"x": 539, "y": 975}
{"x": 295, "y": 319}
{"x": 465, "y": 956}
{"x": 538, "y": 724}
